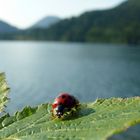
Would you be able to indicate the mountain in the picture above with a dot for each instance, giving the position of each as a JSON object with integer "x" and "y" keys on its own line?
{"x": 7, "y": 28}
{"x": 46, "y": 22}
{"x": 117, "y": 25}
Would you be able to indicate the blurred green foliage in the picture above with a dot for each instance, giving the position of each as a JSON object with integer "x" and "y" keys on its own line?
{"x": 4, "y": 90}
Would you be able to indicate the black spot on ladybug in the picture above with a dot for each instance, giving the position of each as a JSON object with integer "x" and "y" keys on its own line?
{"x": 63, "y": 96}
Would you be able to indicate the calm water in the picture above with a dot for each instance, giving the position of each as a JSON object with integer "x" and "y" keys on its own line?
{"x": 38, "y": 71}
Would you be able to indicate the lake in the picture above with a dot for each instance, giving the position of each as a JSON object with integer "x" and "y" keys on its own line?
{"x": 38, "y": 71}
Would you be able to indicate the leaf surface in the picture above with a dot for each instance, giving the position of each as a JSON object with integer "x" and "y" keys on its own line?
{"x": 4, "y": 89}
{"x": 94, "y": 121}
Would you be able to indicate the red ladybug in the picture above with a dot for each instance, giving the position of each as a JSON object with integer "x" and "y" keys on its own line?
{"x": 63, "y": 103}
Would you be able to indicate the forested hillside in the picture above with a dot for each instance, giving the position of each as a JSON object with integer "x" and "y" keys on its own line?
{"x": 118, "y": 25}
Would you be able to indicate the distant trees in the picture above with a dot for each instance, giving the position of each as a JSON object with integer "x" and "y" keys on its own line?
{"x": 117, "y": 25}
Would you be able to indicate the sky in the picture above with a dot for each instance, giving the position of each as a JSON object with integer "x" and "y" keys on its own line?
{"x": 24, "y": 13}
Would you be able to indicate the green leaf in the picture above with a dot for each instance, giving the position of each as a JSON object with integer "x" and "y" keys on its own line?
{"x": 94, "y": 121}
{"x": 4, "y": 89}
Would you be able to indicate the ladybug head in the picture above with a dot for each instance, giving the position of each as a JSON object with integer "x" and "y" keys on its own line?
{"x": 59, "y": 110}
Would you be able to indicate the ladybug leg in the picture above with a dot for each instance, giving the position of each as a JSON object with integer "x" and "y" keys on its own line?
{"x": 59, "y": 115}
{"x": 52, "y": 116}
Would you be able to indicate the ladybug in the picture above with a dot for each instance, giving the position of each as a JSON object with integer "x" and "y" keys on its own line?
{"x": 64, "y": 103}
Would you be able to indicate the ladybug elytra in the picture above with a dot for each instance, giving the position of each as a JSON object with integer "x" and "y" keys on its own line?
{"x": 64, "y": 103}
